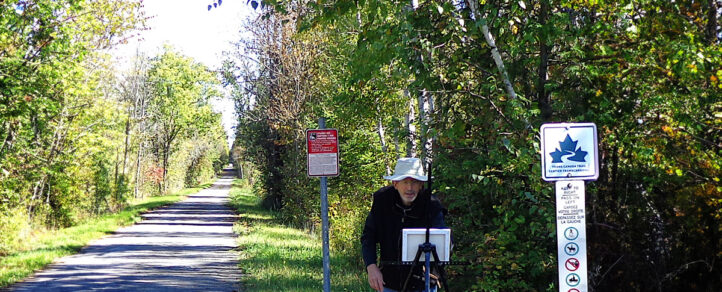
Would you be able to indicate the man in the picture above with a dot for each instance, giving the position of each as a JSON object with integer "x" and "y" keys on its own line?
{"x": 405, "y": 204}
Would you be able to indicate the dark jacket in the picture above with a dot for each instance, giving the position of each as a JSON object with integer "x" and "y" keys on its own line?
{"x": 383, "y": 225}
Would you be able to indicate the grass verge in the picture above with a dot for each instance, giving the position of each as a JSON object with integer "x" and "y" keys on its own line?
{"x": 276, "y": 257}
{"x": 46, "y": 246}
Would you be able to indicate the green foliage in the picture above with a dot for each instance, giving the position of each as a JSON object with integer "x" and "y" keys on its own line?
{"x": 647, "y": 73}
{"x": 69, "y": 138}
{"x": 52, "y": 98}
{"x": 179, "y": 111}
{"x": 14, "y": 227}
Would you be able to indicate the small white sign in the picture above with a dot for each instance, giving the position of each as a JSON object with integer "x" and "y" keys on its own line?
{"x": 571, "y": 236}
{"x": 569, "y": 151}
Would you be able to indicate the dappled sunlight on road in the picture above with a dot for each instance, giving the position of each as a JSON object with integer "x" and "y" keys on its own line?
{"x": 186, "y": 246}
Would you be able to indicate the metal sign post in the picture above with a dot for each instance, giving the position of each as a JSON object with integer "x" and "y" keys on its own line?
{"x": 569, "y": 157}
{"x": 323, "y": 161}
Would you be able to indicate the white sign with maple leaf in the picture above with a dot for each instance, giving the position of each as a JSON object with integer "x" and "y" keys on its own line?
{"x": 569, "y": 151}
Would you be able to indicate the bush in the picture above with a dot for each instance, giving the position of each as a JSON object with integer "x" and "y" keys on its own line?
{"x": 14, "y": 228}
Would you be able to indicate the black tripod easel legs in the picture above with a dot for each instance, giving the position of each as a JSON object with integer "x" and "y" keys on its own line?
{"x": 429, "y": 250}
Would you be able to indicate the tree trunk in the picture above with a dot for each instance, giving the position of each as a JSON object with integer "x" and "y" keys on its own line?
{"x": 495, "y": 54}
{"x": 494, "y": 50}
{"x": 115, "y": 174}
{"x": 543, "y": 97}
{"x": 127, "y": 143}
{"x": 397, "y": 148}
{"x": 384, "y": 147}
{"x": 425, "y": 109}
{"x": 7, "y": 141}
{"x": 411, "y": 128}
{"x": 138, "y": 180}
{"x": 712, "y": 33}
{"x": 39, "y": 189}
{"x": 164, "y": 181}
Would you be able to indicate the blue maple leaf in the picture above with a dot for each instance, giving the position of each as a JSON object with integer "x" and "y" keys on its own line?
{"x": 579, "y": 155}
{"x": 568, "y": 146}
{"x": 557, "y": 156}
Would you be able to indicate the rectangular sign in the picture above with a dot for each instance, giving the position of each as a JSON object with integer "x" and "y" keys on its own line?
{"x": 569, "y": 151}
{"x": 322, "y": 152}
{"x": 571, "y": 236}
{"x": 411, "y": 238}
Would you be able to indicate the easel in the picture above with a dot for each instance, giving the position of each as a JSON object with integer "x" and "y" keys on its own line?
{"x": 428, "y": 249}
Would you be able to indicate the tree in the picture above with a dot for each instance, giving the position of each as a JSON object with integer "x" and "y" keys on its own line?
{"x": 647, "y": 73}
{"x": 135, "y": 89}
{"x": 181, "y": 89}
{"x": 46, "y": 57}
{"x": 67, "y": 131}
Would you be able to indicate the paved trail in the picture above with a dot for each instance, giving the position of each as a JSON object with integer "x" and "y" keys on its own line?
{"x": 183, "y": 247}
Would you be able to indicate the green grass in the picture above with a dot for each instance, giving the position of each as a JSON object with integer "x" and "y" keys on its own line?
{"x": 46, "y": 246}
{"x": 276, "y": 257}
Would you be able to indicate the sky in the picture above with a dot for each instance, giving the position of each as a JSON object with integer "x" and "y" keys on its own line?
{"x": 194, "y": 31}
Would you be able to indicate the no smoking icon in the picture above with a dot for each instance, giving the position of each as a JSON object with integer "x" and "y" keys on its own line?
{"x": 572, "y": 264}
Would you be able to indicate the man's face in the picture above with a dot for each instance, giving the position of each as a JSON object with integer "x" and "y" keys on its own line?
{"x": 408, "y": 189}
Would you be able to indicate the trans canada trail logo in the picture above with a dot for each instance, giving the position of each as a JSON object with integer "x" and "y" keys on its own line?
{"x": 568, "y": 149}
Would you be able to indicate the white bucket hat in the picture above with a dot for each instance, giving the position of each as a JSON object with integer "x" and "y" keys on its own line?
{"x": 408, "y": 167}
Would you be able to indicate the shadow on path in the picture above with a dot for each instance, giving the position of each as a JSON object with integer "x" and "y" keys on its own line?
{"x": 186, "y": 246}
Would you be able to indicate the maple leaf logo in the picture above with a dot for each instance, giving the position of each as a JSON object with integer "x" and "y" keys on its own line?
{"x": 568, "y": 148}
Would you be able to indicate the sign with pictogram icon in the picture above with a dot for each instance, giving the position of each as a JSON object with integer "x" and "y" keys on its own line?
{"x": 571, "y": 235}
{"x": 572, "y": 279}
{"x": 571, "y": 249}
{"x": 572, "y": 264}
{"x": 569, "y": 157}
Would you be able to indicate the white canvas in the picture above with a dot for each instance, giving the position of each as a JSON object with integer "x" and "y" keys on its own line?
{"x": 413, "y": 237}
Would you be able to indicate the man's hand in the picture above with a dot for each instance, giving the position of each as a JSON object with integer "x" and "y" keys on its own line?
{"x": 376, "y": 279}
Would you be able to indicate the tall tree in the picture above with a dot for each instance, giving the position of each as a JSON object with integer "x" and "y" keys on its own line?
{"x": 135, "y": 89}
{"x": 45, "y": 60}
{"x": 181, "y": 91}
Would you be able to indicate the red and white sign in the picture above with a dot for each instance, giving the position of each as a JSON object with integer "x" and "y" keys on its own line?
{"x": 322, "y": 152}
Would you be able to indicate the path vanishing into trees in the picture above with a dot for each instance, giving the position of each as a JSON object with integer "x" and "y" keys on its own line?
{"x": 187, "y": 246}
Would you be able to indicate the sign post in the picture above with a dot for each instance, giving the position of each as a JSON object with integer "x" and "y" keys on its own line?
{"x": 322, "y": 157}
{"x": 569, "y": 157}
{"x": 571, "y": 235}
